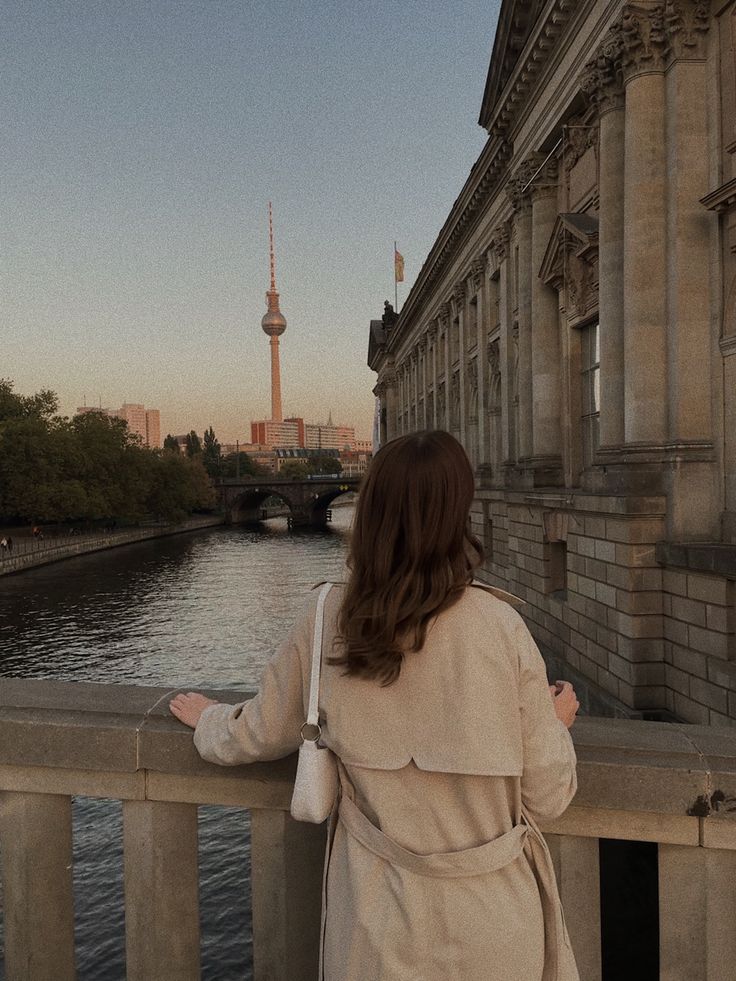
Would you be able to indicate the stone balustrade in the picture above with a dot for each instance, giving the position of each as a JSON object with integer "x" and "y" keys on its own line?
{"x": 672, "y": 785}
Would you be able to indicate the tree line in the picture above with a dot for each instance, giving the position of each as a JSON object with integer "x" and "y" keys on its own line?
{"x": 219, "y": 464}
{"x": 88, "y": 469}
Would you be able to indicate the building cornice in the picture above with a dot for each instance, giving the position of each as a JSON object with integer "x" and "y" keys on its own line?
{"x": 483, "y": 183}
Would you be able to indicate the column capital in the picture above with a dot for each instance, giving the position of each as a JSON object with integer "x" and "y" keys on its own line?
{"x": 602, "y": 78}
{"x": 444, "y": 316}
{"x": 644, "y": 39}
{"x": 478, "y": 271}
{"x": 545, "y": 178}
{"x": 687, "y": 22}
{"x": 459, "y": 291}
{"x": 432, "y": 331}
{"x": 517, "y": 186}
{"x": 500, "y": 241}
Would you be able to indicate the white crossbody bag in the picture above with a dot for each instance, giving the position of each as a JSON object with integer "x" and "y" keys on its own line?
{"x": 315, "y": 786}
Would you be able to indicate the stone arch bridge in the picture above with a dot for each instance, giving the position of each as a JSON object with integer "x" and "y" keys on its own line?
{"x": 307, "y": 499}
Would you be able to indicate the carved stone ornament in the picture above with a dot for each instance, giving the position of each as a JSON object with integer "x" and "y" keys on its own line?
{"x": 602, "y": 78}
{"x": 687, "y": 23}
{"x": 432, "y": 331}
{"x": 501, "y": 239}
{"x": 579, "y": 281}
{"x": 644, "y": 39}
{"x": 517, "y": 186}
{"x": 477, "y": 272}
{"x": 444, "y": 316}
{"x": 458, "y": 292}
{"x": 578, "y": 139}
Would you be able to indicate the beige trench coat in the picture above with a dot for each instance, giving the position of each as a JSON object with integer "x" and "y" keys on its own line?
{"x": 435, "y": 866}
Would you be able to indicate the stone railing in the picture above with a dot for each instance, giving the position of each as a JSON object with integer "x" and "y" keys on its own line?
{"x": 672, "y": 785}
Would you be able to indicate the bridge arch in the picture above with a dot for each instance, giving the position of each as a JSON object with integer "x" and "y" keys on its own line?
{"x": 308, "y": 500}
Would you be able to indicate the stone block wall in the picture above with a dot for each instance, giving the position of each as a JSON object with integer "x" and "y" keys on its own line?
{"x": 699, "y": 649}
{"x": 636, "y": 638}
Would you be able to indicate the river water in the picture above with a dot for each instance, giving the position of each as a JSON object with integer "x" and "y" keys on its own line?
{"x": 202, "y": 610}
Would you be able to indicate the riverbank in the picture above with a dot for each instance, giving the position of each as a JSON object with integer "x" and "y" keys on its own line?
{"x": 30, "y": 554}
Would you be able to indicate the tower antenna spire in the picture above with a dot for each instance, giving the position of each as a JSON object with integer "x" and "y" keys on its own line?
{"x": 274, "y": 324}
{"x": 270, "y": 239}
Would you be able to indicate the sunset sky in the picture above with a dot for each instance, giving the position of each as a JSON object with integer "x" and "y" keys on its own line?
{"x": 141, "y": 144}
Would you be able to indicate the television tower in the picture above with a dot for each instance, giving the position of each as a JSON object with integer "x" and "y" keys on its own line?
{"x": 274, "y": 324}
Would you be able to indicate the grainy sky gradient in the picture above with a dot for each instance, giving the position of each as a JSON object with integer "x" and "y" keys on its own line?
{"x": 141, "y": 144}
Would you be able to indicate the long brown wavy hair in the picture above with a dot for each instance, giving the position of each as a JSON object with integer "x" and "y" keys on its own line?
{"x": 411, "y": 552}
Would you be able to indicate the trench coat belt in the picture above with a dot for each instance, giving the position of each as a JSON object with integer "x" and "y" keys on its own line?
{"x": 488, "y": 857}
{"x": 559, "y": 964}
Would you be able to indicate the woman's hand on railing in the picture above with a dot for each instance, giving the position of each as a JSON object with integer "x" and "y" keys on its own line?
{"x": 565, "y": 702}
{"x": 188, "y": 707}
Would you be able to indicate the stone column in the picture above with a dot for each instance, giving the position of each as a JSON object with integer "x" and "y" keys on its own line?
{"x": 432, "y": 335}
{"x": 546, "y": 357}
{"x": 445, "y": 320}
{"x": 645, "y": 227}
{"x": 501, "y": 241}
{"x": 424, "y": 351}
{"x": 602, "y": 81}
{"x": 459, "y": 296}
{"x": 480, "y": 285}
{"x": 688, "y": 226}
{"x": 521, "y": 200}
{"x": 392, "y": 402}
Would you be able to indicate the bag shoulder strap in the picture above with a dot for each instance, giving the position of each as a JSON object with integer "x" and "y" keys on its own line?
{"x": 319, "y": 621}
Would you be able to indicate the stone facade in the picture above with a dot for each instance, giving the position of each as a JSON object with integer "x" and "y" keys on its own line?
{"x": 574, "y": 325}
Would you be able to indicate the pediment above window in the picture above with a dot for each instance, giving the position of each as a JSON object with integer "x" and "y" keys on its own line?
{"x": 571, "y": 261}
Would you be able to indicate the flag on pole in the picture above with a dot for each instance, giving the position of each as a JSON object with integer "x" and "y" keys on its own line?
{"x": 398, "y": 266}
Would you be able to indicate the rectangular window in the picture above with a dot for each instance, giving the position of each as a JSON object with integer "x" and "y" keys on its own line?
{"x": 556, "y": 555}
{"x": 591, "y": 391}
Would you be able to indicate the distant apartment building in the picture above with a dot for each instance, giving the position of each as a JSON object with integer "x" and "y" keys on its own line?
{"x": 364, "y": 446}
{"x": 328, "y": 436}
{"x": 354, "y": 462}
{"x": 286, "y": 434}
{"x": 145, "y": 423}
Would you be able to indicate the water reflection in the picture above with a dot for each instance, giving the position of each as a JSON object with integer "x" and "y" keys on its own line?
{"x": 202, "y": 610}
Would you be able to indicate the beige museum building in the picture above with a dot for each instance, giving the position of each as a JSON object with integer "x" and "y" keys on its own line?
{"x": 574, "y": 325}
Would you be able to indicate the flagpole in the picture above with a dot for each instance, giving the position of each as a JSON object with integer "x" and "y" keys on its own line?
{"x": 396, "y": 284}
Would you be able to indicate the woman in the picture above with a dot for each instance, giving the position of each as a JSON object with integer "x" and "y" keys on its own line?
{"x": 450, "y": 742}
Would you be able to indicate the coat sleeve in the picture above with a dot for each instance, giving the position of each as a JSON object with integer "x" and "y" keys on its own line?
{"x": 549, "y": 779}
{"x": 267, "y": 726}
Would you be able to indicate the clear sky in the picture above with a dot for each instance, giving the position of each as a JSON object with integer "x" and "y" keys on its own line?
{"x": 141, "y": 144}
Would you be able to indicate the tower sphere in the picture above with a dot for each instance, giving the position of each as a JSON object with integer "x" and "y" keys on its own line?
{"x": 273, "y": 322}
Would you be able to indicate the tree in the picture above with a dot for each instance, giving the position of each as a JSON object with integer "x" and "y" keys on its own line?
{"x": 212, "y": 454}
{"x": 294, "y": 468}
{"x": 194, "y": 444}
{"x": 248, "y": 467}
{"x": 325, "y": 464}
{"x": 171, "y": 443}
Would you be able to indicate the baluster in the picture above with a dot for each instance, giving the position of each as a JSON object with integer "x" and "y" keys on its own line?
{"x": 286, "y": 873}
{"x": 578, "y": 878}
{"x": 161, "y": 891}
{"x": 36, "y": 845}
{"x": 697, "y": 913}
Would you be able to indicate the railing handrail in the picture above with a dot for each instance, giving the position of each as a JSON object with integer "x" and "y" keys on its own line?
{"x": 646, "y": 781}
{"x": 623, "y": 764}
